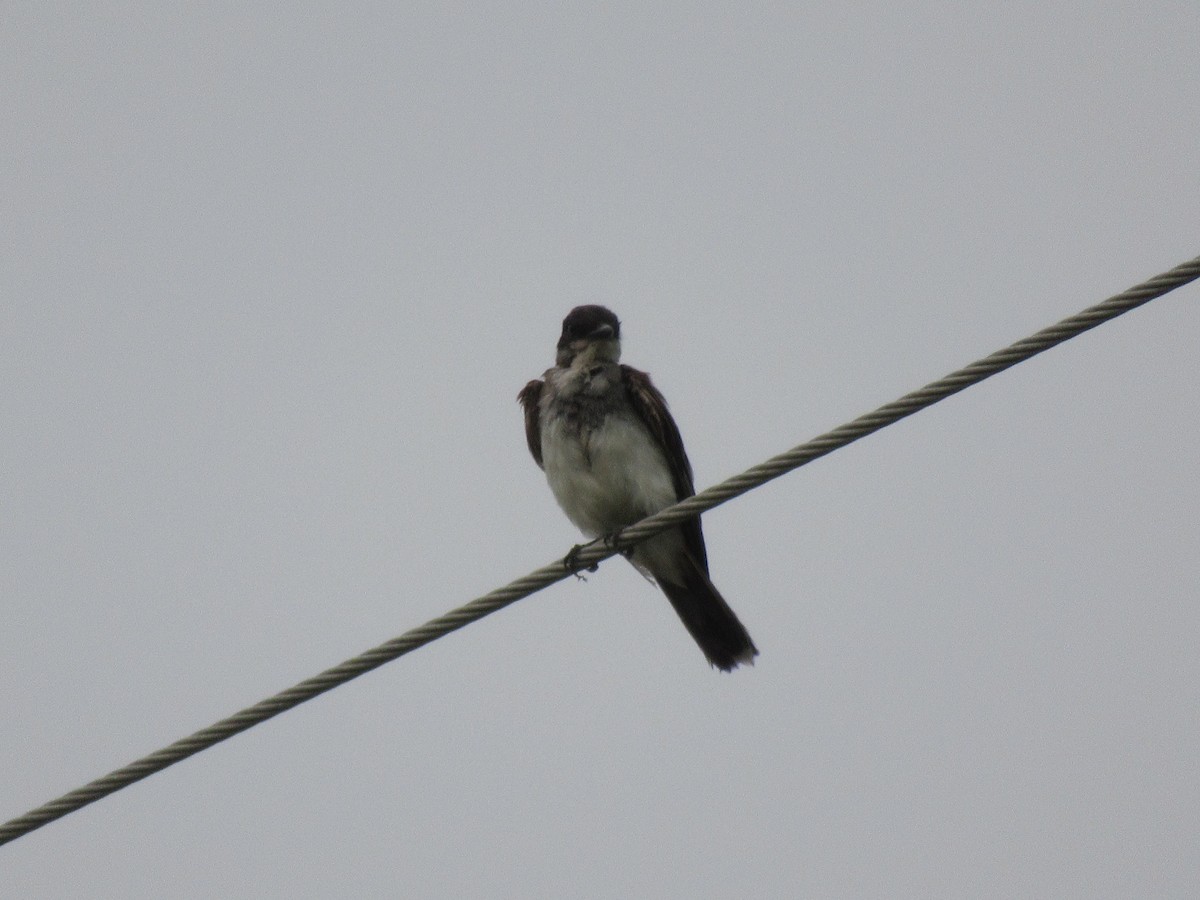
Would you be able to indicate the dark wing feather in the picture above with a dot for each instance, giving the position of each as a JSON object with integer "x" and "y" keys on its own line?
{"x": 651, "y": 408}
{"x": 530, "y": 396}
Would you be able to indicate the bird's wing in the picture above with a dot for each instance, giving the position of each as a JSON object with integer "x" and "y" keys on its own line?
{"x": 530, "y": 396}
{"x": 651, "y": 408}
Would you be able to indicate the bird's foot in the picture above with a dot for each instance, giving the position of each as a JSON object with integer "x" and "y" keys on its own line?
{"x": 571, "y": 562}
{"x": 612, "y": 542}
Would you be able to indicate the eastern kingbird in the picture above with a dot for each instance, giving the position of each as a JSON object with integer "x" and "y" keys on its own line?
{"x": 613, "y": 455}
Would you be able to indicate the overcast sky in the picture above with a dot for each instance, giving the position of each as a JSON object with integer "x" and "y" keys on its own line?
{"x": 269, "y": 284}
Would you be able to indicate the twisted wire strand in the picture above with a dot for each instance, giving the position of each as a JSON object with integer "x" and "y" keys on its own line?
{"x": 597, "y": 551}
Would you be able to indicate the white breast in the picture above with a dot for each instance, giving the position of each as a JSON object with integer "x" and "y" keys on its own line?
{"x": 608, "y": 477}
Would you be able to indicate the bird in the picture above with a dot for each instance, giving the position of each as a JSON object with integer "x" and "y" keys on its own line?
{"x": 612, "y": 455}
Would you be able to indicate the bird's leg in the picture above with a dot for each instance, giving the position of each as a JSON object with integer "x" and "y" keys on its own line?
{"x": 613, "y": 539}
{"x": 571, "y": 562}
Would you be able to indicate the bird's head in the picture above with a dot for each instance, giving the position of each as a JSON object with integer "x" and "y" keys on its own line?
{"x": 589, "y": 334}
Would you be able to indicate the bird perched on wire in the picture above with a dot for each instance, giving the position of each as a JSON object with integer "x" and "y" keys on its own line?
{"x": 613, "y": 455}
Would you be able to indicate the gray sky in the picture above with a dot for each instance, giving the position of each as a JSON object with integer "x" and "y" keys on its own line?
{"x": 271, "y": 282}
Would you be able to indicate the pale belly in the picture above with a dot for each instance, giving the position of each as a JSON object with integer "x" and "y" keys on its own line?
{"x": 606, "y": 478}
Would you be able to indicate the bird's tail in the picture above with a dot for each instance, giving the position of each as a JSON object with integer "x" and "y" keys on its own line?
{"x": 709, "y": 620}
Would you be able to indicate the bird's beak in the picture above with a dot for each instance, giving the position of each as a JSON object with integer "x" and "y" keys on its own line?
{"x": 603, "y": 333}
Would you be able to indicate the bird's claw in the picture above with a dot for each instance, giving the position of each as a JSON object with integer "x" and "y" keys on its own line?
{"x": 612, "y": 542}
{"x": 571, "y": 562}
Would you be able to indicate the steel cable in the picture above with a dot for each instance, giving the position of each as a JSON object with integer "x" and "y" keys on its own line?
{"x": 597, "y": 551}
